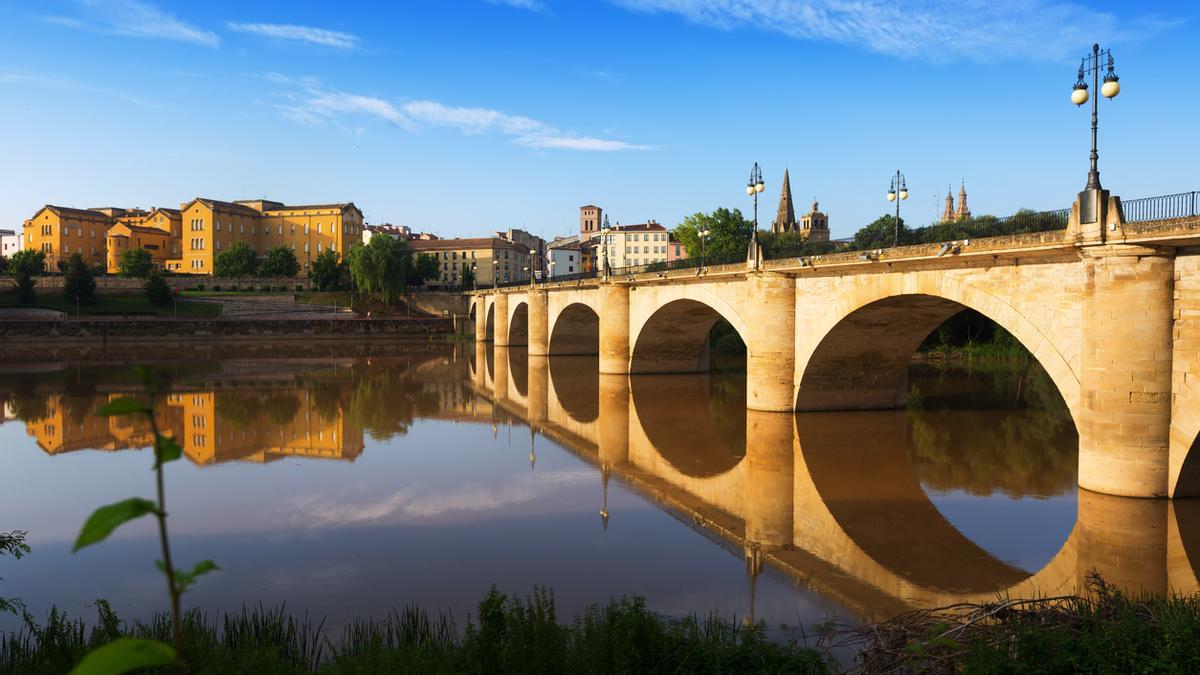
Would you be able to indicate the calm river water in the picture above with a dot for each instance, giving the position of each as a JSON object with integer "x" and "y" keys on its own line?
{"x": 352, "y": 479}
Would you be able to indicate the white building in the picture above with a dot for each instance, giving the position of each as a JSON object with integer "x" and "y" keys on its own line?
{"x": 643, "y": 244}
{"x": 10, "y": 243}
{"x": 565, "y": 257}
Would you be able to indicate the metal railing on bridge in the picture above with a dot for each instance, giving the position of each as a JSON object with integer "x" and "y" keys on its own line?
{"x": 1164, "y": 207}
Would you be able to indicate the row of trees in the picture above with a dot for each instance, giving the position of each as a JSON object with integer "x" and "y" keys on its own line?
{"x": 729, "y": 233}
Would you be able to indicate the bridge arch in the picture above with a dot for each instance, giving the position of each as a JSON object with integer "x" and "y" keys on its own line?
{"x": 673, "y": 338}
{"x": 518, "y": 323}
{"x": 489, "y": 326}
{"x": 576, "y": 383}
{"x": 575, "y": 330}
{"x": 858, "y": 357}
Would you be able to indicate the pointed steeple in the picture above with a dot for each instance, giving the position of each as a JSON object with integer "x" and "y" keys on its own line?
{"x": 963, "y": 211}
{"x": 948, "y": 212}
{"x": 785, "y": 217}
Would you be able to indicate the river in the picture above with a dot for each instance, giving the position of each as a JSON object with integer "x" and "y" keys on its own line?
{"x": 347, "y": 480}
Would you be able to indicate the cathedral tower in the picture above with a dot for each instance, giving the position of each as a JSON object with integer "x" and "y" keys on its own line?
{"x": 963, "y": 211}
{"x": 785, "y": 218}
{"x": 948, "y": 212}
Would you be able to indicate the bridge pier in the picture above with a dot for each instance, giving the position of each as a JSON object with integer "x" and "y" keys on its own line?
{"x": 769, "y": 479}
{"x": 1125, "y": 378}
{"x": 539, "y": 324}
{"x": 500, "y": 318}
{"x": 539, "y": 390}
{"x": 614, "y": 329}
{"x": 614, "y": 429}
{"x": 500, "y": 379}
{"x": 771, "y": 345}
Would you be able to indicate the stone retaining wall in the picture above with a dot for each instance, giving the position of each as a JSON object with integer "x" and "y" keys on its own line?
{"x": 206, "y": 329}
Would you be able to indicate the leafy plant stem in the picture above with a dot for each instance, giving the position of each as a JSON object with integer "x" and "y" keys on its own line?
{"x": 161, "y": 515}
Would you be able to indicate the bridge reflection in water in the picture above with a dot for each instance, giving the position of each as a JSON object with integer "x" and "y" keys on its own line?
{"x": 845, "y": 504}
{"x": 835, "y": 500}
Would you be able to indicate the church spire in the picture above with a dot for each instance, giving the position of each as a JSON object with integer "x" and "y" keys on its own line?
{"x": 963, "y": 210}
{"x": 785, "y": 217}
{"x": 948, "y": 212}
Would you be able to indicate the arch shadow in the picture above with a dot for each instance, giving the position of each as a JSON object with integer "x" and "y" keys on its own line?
{"x": 518, "y": 325}
{"x": 697, "y": 423}
{"x": 859, "y": 465}
{"x": 675, "y": 339}
{"x": 861, "y": 363}
{"x": 576, "y": 381}
{"x": 576, "y": 331}
{"x": 518, "y": 369}
{"x": 489, "y": 332}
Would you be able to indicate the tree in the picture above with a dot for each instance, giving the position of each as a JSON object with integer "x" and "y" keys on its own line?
{"x": 467, "y": 276}
{"x": 280, "y": 262}
{"x": 157, "y": 291}
{"x": 78, "y": 283}
{"x": 383, "y": 266}
{"x": 729, "y": 233}
{"x": 135, "y": 264}
{"x": 26, "y": 265}
{"x": 425, "y": 269}
{"x": 880, "y": 234}
{"x": 326, "y": 270}
{"x": 239, "y": 260}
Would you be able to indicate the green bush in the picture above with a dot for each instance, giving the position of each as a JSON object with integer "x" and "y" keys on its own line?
{"x": 158, "y": 293}
{"x": 78, "y": 283}
{"x": 217, "y": 288}
{"x": 199, "y": 287}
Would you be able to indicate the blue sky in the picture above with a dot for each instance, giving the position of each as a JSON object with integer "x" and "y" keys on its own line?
{"x": 464, "y": 116}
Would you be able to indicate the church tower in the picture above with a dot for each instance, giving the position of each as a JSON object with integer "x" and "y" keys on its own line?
{"x": 785, "y": 218}
{"x": 814, "y": 224}
{"x": 963, "y": 211}
{"x": 948, "y": 212}
{"x": 589, "y": 221}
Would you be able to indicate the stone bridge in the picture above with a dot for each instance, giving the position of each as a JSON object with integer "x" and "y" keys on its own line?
{"x": 843, "y": 514}
{"x": 1111, "y": 310}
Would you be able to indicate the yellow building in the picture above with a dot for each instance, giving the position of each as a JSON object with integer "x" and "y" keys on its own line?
{"x": 494, "y": 260}
{"x": 210, "y": 226}
{"x": 60, "y": 232}
{"x": 189, "y": 239}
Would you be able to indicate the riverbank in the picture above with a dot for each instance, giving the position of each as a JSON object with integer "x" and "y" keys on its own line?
{"x": 97, "y": 329}
{"x": 1104, "y": 630}
{"x": 506, "y": 635}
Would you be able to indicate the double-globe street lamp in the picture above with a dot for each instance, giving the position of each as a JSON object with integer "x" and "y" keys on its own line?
{"x": 753, "y": 187}
{"x": 702, "y": 234}
{"x": 897, "y": 193}
{"x": 1091, "y": 64}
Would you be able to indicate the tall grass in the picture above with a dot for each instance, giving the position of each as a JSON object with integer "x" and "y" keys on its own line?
{"x": 508, "y": 634}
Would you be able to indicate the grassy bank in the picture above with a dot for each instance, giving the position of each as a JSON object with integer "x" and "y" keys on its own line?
{"x": 1104, "y": 631}
{"x": 112, "y": 305}
{"x": 506, "y": 635}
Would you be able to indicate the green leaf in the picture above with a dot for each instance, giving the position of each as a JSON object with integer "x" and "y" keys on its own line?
{"x": 122, "y": 406}
{"x": 105, "y": 519}
{"x": 183, "y": 580}
{"x": 166, "y": 450}
{"x": 124, "y": 655}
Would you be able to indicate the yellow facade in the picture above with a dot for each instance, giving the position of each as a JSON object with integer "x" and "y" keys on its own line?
{"x": 195, "y": 234}
{"x": 494, "y": 260}
{"x": 61, "y": 232}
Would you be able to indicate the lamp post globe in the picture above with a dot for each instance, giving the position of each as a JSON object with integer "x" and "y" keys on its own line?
{"x": 1079, "y": 95}
{"x": 891, "y": 196}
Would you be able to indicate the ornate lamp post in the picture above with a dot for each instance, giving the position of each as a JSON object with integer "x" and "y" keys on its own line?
{"x": 474, "y": 278}
{"x": 703, "y": 235}
{"x": 1079, "y": 96}
{"x": 753, "y": 187}
{"x": 897, "y": 193}
{"x": 605, "y": 233}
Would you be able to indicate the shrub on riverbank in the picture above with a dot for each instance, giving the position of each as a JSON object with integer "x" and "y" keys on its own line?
{"x": 507, "y": 635}
{"x": 1104, "y": 631}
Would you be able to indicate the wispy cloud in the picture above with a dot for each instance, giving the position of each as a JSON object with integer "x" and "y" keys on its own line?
{"x": 134, "y": 18}
{"x": 934, "y": 30}
{"x": 58, "y": 82}
{"x": 412, "y": 504}
{"x": 313, "y": 103}
{"x": 531, "y": 5}
{"x": 287, "y": 31}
